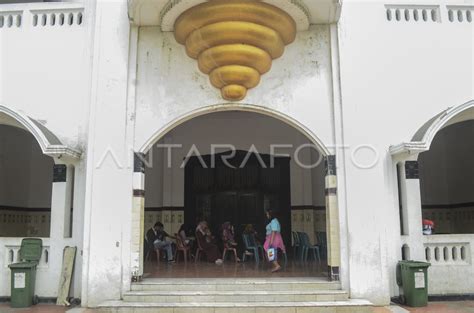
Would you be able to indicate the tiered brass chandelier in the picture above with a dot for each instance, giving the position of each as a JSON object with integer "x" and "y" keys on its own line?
{"x": 234, "y": 41}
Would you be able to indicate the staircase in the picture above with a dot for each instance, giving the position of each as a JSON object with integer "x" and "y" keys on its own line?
{"x": 242, "y": 295}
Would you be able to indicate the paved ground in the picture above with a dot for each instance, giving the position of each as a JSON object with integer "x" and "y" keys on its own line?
{"x": 433, "y": 307}
{"x": 446, "y": 307}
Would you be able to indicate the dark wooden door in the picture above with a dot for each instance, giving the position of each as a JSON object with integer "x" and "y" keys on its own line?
{"x": 238, "y": 195}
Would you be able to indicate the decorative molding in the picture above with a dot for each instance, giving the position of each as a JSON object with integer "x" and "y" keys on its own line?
{"x": 448, "y": 206}
{"x": 413, "y": 13}
{"x": 299, "y": 11}
{"x": 23, "y": 209}
{"x": 233, "y": 106}
{"x": 160, "y": 209}
{"x": 422, "y": 139}
{"x": 309, "y": 207}
{"x": 50, "y": 144}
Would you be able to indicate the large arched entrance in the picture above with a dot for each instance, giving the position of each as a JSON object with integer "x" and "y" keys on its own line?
{"x": 230, "y": 166}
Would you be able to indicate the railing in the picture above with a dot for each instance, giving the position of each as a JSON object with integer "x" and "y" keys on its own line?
{"x": 11, "y": 248}
{"x": 41, "y": 15}
{"x": 451, "y": 261}
{"x": 448, "y": 249}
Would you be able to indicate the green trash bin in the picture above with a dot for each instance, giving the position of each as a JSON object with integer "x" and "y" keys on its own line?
{"x": 23, "y": 274}
{"x": 412, "y": 276}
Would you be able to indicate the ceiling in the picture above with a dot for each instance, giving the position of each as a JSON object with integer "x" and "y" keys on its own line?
{"x": 163, "y": 13}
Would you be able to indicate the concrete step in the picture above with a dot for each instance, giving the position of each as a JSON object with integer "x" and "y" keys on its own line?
{"x": 348, "y": 306}
{"x": 234, "y": 296}
{"x": 233, "y": 284}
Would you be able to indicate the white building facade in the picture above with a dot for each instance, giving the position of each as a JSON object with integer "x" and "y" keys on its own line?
{"x": 383, "y": 89}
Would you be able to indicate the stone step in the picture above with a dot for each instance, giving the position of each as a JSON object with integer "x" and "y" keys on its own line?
{"x": 230, "y": 284}
{"x": 348, "y": 306}
{"x": 234, "y": 296}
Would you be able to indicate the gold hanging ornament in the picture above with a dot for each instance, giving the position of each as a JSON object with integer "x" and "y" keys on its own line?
{"x": 234, "y": 41}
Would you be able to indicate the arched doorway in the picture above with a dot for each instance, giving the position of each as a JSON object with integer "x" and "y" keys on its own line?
{"x": 36, "y": 186}
{"x": 26, "y": 177}
{"x": 435, "y": 176}
{"x": 193, "y": 179}
{"x": 447, "y": 178}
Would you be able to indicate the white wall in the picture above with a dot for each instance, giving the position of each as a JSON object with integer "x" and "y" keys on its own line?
{"x": 394, "y": 77}
{"x": 45, "y": 73}
{"x": 170, "y": 85}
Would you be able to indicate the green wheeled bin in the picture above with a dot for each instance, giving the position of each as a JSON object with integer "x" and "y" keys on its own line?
{"x": 23, "y": 274}
{"x": 412, "y": 276}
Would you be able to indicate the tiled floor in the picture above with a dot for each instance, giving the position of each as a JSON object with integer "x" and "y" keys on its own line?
{"x": 232, "y": 269}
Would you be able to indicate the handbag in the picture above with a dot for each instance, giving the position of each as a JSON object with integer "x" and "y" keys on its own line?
{"x": 272, "y": 254}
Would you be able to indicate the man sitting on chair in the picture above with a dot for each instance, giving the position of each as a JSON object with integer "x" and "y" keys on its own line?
{"x": 157, "y": 236}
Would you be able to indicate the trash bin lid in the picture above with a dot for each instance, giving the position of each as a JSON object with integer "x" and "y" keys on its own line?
{"x": 415, "y": 264}
{"x": 31, "y": 249}
{"x": 23, "y": 265}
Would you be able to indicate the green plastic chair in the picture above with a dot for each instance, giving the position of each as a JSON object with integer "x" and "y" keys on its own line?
{"x": 307, "y": 246}
{"x": 251, "y": 245}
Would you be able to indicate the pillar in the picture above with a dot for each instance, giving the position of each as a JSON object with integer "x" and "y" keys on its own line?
{"x": 332, "y": 219}
{"x": 61, "y": 202}
{"x": 410, "y": 198}
{"x": 138, "y": 217}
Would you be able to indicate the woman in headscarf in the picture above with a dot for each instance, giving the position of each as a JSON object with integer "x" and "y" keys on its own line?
{"x": 228, "y": 235}
{"x": 229, "y": 240}
{"x": 205, "y": 241}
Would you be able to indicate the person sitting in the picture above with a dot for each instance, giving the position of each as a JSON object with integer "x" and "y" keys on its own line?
{"x": 250, "y": 230}
{"x": 229, "y": 240}
{"x": 228, "y": 235}
{"x": 157, "y": 236}
{"x": 206, "y": 242}
{"x": 183, "y": 235}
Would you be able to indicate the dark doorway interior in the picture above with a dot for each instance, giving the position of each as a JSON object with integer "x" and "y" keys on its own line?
{"x": 238, "y": 189}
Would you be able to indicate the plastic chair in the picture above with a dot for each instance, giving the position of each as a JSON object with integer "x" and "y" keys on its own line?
{"x": 181, "y": 247}
{"x": 232, "y": 249}
{"x": 296, "y": 243}
{"x": 251, "y": 245}
{"x": 199, "y": 249}
{"x": 322, "y": 243}
{"x": 307, "y": 246}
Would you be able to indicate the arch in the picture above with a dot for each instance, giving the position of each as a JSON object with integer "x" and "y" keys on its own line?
{"x": 50, "y": 144}
{"x": 234, "y": 107}
{"x": 422, "y": 139}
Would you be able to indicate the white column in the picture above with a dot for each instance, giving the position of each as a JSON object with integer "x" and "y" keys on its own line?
{"x": 108, "y": 197}
{"x": 61, "y": 202}
{"x": 60, "y": 217}
{"x": 411, "y": 208}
